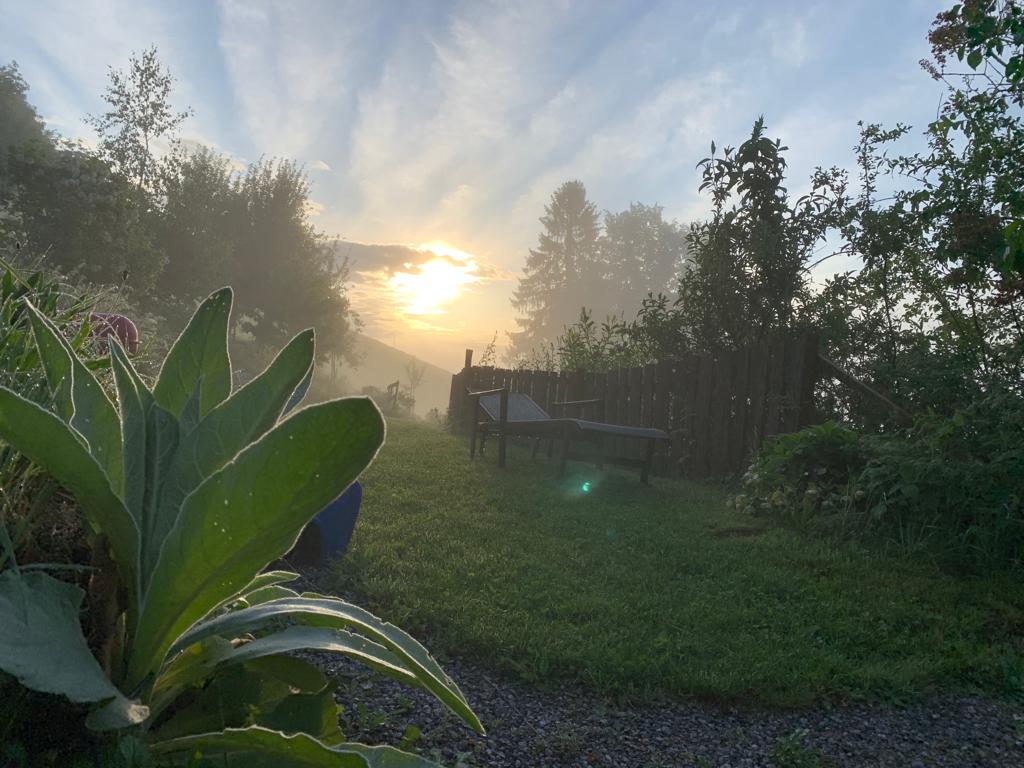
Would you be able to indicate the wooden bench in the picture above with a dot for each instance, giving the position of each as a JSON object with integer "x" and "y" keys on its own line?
{"x": 503, "y": 413}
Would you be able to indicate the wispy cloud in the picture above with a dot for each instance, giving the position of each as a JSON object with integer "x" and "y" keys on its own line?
{"x": 454, "y": 121}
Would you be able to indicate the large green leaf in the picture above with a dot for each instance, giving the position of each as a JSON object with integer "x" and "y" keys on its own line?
{"x": 325, "y": 611}
{"x": 187, "y": 669}
{"x": 250, "y": 513}
{"x": 231, "y": 426}
{"x": 265, "y": 579}
{"x": 315, "y": 714}
{"x": 50, "y": 443}
{"x": 93, "y": 415}
{"x": 151, "y": 442}
{"x": 200, "y": 660}
{"x": 264, "y": 748}
{"x": 57, "y": 365}
{"x": 133, "y": 409}
{"x": 230, "y": 700}
{"x": 42, "y": 645}
{"x": 200, "y": 355}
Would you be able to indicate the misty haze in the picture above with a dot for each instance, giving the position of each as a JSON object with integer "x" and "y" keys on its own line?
{"x": 471, "y": 384}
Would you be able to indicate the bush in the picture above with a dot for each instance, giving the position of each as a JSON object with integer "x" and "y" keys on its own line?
{"x": 951, "y": 487}
{"x": 804, "y": 475}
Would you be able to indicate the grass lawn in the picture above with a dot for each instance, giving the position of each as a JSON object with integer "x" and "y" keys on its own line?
{"x": 658, "y": 591}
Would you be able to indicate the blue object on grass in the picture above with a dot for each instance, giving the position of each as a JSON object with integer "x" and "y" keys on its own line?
{"x": 336, "y": 522}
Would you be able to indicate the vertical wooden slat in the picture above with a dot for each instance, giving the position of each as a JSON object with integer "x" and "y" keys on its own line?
{"x": 662, "y": 395}
{"x": 690, "y": 409}
{"x": 616, "y": 393}
{"x": 649, "y": 373}
{"x": 776, "y": 372}
{"x": 806, "y": 411}
{"x": 599, "y": 391}
{"x": 740, "y": 410}
{"x": 720, "y": 427}
{"x": 660, "y": 420}
{"x": 542, "y": 387}
{"x": 789, "y": 410}
{"x": 702, "y": 416}
{"x": 757, "y": 389}
{"x": 634, "y": 409}
{"x": 679, "y": 415}
{"x": 635, "y": 385}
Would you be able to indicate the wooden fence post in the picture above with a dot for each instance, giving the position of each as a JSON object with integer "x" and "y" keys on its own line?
{"x": 465, "y": 414}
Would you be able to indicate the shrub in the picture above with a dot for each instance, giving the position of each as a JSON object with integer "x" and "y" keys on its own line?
{"x": 955, "y": 485}
{"x": 803, "y": 475}
{"x": 191, "y": 491}
{"x": 952, "y": 486}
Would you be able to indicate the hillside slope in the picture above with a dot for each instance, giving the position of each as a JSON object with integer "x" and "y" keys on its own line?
{"x": 382, "y": 364}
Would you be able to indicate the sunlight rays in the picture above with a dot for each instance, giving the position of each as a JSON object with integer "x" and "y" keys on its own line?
{"x": 429, "y": 287}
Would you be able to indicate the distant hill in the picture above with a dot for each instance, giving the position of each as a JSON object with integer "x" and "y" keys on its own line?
{"x": 383, "y": 364}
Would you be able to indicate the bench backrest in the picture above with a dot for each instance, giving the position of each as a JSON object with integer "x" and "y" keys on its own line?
{"x": 520, "y": 408}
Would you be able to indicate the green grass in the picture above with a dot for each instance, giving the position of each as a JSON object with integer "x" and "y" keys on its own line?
{"x": 658, "y": 591}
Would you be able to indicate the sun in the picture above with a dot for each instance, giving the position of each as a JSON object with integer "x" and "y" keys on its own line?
{"x": 426, "y": 288}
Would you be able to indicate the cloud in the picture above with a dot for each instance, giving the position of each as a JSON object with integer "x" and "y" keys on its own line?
{"x": 787, "y": 40}
{"x": 290, "y": 69}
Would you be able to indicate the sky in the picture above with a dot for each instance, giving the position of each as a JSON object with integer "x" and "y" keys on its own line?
{"x": 440, "y": 129}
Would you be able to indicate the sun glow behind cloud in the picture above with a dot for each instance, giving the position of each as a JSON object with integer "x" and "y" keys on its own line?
{"x": 429, "y": 287}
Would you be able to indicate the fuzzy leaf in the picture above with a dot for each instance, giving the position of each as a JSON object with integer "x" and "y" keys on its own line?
{"x": 250, "y": 513}
{"x": 233, "y": 425}
{"x": 200, "y": 355}
{"x": 93, "y": 416}
{"x": 332, "y": 612}
{"x": 41, "y": 644}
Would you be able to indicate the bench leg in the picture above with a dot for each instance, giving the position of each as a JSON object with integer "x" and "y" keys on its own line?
{"x": 472, "y": 442}
{"x": 551, "y": 447}
{"x": 536, "y": 447}
{"x": 645, "y": 473}
{"x": 564, "y": 458}
{"x": 501, "y": 449}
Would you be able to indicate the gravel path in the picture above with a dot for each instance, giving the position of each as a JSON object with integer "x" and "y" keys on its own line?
{"x": 530, "y": 727}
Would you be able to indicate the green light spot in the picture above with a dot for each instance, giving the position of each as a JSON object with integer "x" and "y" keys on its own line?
{"x": 585, "y": 487}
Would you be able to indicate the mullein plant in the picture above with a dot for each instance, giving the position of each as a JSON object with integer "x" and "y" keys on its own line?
{"x": 190, "y": 491}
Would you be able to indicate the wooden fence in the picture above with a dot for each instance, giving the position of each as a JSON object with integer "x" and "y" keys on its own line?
{"x": 718, "y": 408}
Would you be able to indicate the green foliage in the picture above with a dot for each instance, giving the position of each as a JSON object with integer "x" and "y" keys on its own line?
{"x": 641, "y": 254}
{"x": 750, "y": 259}
{"x": 952, "y": 488}
{"x": 804, "y": 474}
{"x": 580, "y": 266}
{"x": 86, "y": 219}
{"x": 139, "y": 114}
{"x": 19, "y": 121}
{"x": 560, "y": 273}
{"x": 168, "y": 225}
{"x": 989, "y": 36}
{"x": 208, "y": 488}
